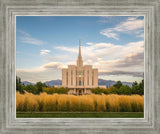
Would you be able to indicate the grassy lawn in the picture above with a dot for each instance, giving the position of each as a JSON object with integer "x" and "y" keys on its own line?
{"x": 81, "y": 115}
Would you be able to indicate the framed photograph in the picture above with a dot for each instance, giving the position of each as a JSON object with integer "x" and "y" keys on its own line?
{"x": 56, "y": 78}
{"x": 79, "y": 67}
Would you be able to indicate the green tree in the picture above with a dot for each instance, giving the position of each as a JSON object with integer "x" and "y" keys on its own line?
{"x": 113, "y": 90}
{"x": 135, "y": 89}
{"x": 126, "y": 90}
{"x": 141, "y": 86}
{"x": 18, "y": 81}
{"x": 97, "y": 90}
{"x": 62, "y": 90}
{"x": 118, "y": 84}
{"x": 32, "y": 89}
{"x": 138, "y": 89}
{"x": 40, "y": 86}
{"x": 106, "y": 91}
{"x": 23, "y": 87}
{"x": 134, "y": 83}
{"x": 19, "y": 85}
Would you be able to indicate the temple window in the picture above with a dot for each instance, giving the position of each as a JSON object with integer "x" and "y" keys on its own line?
{"x": 79, "y": 83}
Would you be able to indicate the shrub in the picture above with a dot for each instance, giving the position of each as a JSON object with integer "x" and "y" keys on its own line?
{"x": 63, "y": 103}
{"x": 52, "y": 90}
{"x": 112, "y": 101}
{"x": 74, "y": 103}
{"x": 97, "y": 90}
{"x": 85, "y": 103}
{"x": 101, "y": 104}
{"x": 31, "y": 103}
{"x": 50, "y": 102}
{"x": 20, "y": 102}
{"x": 113, "y": 90}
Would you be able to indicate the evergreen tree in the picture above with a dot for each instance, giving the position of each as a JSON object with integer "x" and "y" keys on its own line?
{"x": 19, "y": 85}
{"x": 138, "y": 88}
{"x": 40, "y": 86}
{"x": 141, "y": 86}
{"x": 134, "y": 83}
{"x": 118, "y": 84}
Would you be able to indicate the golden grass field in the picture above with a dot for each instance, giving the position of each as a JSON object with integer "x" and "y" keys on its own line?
{"x": 29, "y": 102}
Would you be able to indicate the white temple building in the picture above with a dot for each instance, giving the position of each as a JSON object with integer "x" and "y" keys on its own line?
{"x": 80, "y": 79}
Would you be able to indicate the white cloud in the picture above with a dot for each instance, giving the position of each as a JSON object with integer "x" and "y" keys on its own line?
{"x": 107, "y": 57}
{"x": 43, "y": 73}
{"x": 131, "y": 62}
{"x": 33, "y": 41}
{"x": 50, "y": 65}
{"x": 131, "y": 25}
{"x": 24, "y": 33}
{"x": 69, "y": 49}
{"x": 26, "y": 38}
{"x": 53, "y": 65}
{"x": 108, "y": 51}
{"x": 110, "y": 33}
{"x": 44, "y": 52}
{"x": 141, "y": 35}
{"x": 89, "y": 43}
{"x": 134, "y": 74}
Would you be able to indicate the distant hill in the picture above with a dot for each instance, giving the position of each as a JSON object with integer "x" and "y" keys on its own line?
{"x": 108, "y": 83}
{"x": 53, "y": 82}
{"x": 27, "y": 83}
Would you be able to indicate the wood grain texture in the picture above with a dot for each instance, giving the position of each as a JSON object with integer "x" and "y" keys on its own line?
{"x": 150, "y": 124}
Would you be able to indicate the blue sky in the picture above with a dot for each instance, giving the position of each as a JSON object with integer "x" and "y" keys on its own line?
{"x": 113, "y": 44}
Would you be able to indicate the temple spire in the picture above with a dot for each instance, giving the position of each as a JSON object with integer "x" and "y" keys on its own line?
{"x": 79, "y": 47}
{"x": 79, "y": 60}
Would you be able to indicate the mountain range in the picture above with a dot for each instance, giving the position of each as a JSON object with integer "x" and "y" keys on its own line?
{"x": 108, "y": 83}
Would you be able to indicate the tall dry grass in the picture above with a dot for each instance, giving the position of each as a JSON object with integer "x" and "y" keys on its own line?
{"x": 85, "y": 103}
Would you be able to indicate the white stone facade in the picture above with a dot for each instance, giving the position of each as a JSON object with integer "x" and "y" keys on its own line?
{"x": 78, "y": 78}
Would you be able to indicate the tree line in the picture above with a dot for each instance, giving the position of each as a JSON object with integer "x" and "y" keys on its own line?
{"x": 38, "y": 88}
{"x": 118, "y": 88}
{"x": 121, "y": 89}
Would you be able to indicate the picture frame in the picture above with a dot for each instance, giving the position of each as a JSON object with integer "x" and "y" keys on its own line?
{"x": 8, "y": 121}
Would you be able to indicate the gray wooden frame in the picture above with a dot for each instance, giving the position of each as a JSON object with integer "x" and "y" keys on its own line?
{"x": 150, "y": 9}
